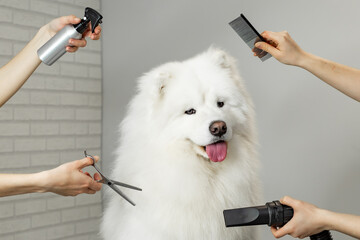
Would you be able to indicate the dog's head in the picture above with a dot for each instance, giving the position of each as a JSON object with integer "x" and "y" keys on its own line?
{"x": 201, "y": 102}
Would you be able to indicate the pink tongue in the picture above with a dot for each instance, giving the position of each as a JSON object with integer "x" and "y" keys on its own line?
{"x": 217, "y": 151}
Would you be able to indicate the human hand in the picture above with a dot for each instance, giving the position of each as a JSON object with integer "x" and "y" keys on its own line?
{"x": 281, "y": 46}
{"x": 69, "y": 180}
{"x": 307, "y": 220}
{"x": 57, "y": 24}
{"x": 257, "y": 51}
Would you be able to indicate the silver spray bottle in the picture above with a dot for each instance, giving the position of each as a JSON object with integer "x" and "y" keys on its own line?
{"x": 53, "y": 49}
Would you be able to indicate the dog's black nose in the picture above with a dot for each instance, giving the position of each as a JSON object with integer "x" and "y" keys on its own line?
{"x": 218, "y": 128}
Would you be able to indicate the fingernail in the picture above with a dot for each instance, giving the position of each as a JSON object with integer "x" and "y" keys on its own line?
{"x": 257, "y": 44}
{"x": 77, "y": 19}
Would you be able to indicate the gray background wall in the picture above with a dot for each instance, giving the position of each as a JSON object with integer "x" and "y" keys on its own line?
{"x": 51, "y": 120}
{"x": 309, "y": 133}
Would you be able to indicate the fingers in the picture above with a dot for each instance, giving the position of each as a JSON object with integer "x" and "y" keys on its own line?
{"x": 71, "y": 19}
{"x": 272, "y": 39}
{"x": 96, "y": 186}
{"x": 282, "y": 47}
{"x": 267, "y": 48}
{"x": 77, "y": 42}
{"x": 271, "y": 36}
{"x": 97, "y": 177}
{"x": 257, "y": 51}
{"x": 97, "y": 33}
{"x": 90, "y": 186}
{"x": 286, "y": 229}
{"x": 74, "y": 44}
{"x": 93, "y": 35}
{"x": 71, "y": 49}
{"x": 90, "y": 191}
{"x": 80, "y": 164}
{"x": 289, "y": 201}
{"x": 93, "y": 184}
{"x": 275, "y": 231}
{"x": 98, "y": 30}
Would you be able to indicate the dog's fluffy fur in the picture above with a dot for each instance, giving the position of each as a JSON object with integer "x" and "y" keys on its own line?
{"x": 162, "y": 150}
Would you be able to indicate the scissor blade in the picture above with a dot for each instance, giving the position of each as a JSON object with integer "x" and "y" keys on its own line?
{"x": 116, "y": 189}
{"x": 126, "y": 185}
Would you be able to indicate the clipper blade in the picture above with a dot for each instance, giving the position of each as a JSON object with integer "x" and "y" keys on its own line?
{"x": 246, "y": 216}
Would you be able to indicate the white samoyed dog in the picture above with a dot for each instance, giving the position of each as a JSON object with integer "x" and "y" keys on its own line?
{"x": 188, "y": 140}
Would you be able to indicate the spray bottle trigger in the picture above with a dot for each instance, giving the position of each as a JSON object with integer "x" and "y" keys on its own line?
{"x": 94, "y": 17}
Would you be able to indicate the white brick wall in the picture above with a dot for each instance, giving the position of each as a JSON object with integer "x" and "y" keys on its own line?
{"x": 50, "y": 121}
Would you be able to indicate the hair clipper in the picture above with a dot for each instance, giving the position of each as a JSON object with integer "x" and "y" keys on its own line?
{"x": 272, "y": 213}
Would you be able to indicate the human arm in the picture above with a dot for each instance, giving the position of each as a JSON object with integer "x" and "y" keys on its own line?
{"x": 67, "y": 180}
{"x": 15, "y": 73}
{"x": 285, "y": 50}
{"x": 309, "y": 220}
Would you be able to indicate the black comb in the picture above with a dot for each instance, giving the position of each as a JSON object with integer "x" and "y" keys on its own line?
{"x": 249, "y": 34}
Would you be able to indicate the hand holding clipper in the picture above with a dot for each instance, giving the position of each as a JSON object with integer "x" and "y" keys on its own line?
{"x": 272, "y": 213}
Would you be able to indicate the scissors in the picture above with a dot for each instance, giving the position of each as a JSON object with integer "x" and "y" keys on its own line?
{"x": 111, "y": 183}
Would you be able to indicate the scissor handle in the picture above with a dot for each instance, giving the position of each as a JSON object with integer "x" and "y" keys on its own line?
{"x": 104, "y": 179}
{"x": 89, "y": 156}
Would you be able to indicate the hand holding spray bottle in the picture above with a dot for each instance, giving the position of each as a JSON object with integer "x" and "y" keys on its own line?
{"x": 53, "y": 49}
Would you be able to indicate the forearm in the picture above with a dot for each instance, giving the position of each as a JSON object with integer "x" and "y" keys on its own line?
{"x": 15, "y": 73}
{"x": 344, "y": 223}
{"x": 13, "y": 184}
{"x": 341, "y": 77}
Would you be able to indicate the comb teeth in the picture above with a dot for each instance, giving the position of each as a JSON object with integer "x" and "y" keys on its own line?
{"x": 248, "y": 34}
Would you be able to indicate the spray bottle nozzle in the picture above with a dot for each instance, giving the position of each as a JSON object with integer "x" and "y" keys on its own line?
{"x": 92, "y": 16}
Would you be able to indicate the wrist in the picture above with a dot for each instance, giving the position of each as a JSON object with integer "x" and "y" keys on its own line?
{"x": 41, "y": 182}
{"x": 303, "y": 60}
{"x": 309, "y": 61}
{"x": 326, "y": 217}
{"x": 42, "y": 36}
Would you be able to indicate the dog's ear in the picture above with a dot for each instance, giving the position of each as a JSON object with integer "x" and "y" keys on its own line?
{"x": 155, "y": 82}
{"x": 162, "y": 79}
{"x": 221, "y": 58}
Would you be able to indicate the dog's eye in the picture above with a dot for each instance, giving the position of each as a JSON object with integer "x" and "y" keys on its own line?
{"x": 220, "y": 104}
{"x": 190, "y": 111}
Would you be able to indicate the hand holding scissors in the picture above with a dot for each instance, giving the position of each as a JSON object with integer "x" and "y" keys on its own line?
{"x": 112, "y": 183}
